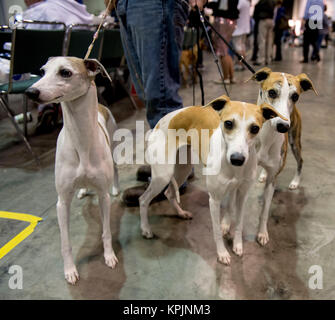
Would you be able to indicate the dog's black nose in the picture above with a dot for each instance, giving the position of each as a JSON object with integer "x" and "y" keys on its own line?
{"x": 282, "y": 127}
{"x": 237, "y": 159}
{"x": 32, "y": 93}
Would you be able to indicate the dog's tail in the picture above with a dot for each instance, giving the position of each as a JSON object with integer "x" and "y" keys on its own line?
{"x": 176, "y": 188}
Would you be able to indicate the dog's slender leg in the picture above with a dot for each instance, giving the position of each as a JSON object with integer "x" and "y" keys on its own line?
{"x": 157, "y": 184}
{"x": 115, "y": 186}
{"x": 215, "y": 210}
{"x": 63, "y": 215}
{"x": 295, "y": 143}
{"x": 181, "y": 172}
{"x": 263, "y": 236}
{"x": 109, "y": 255}
{"x": 262, "y": 176}
{"x": 241, "y": 198}
{"x": 229, "y": 213}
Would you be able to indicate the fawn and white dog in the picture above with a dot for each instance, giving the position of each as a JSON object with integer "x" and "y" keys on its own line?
{"x": 232, "y": 127}
{"x": 84, "y": 145}
{"x": 281, "y": 91}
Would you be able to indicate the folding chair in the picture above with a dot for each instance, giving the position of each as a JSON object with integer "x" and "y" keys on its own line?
{"x": 112, "y": 57}
{"x": 30, "y": 50}
{"x": 79, "y": 37}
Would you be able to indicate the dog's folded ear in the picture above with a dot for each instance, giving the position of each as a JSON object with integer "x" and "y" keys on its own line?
{"x": 219, "y": 103}
{"x": 306, "y": 83}
{"x": 261, "y": 75}
{"x": 94, "y": 67}
{"x": 269, "y": 112}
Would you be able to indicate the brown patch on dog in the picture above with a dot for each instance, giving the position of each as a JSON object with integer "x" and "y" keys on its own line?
{"x": 198, "y": 118}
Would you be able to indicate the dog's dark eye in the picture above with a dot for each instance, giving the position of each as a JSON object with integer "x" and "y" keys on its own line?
{"x": 65, "y": 73}
{"x": 272, "y": 94}
{"x": 295, "y": 97}
{"x": 228, "y": 125}
{"x": 254, "y": 129}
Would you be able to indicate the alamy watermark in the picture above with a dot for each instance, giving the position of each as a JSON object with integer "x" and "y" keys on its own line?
{"x": 316, "y": 280}
{"x": 315, "y": 20}
{"x": 16, "y": 280}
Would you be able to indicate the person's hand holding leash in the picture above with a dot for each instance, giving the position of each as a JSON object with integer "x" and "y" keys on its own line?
{"x": 199, "y": 3}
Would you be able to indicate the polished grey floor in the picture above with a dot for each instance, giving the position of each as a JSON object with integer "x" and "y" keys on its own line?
{"x": 181, "y": 262}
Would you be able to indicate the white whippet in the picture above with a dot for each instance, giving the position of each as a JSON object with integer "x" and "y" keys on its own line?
{"x": 84, "y": 145}
{"x": 281, "y": 91}
{"x": 229, "y": 151}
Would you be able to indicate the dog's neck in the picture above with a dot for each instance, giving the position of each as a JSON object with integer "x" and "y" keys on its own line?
{"x": 80, "y": 118}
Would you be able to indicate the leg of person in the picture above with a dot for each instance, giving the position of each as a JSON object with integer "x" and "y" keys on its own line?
{"x": 306, "y": 42}
{"x": 154, "y": 64}
{"x": 261, "y": 41}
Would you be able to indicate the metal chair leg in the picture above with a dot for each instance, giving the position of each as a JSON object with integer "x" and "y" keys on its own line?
{"x": 10, "y": 116}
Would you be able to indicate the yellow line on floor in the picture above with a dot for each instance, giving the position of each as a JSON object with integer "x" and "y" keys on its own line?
{"x": 23, "y": 234}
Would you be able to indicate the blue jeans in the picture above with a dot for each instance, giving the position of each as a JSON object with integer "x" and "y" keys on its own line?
{"x": 152, "y": 33}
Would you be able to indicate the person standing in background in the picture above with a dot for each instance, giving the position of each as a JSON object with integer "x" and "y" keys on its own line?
{"x": 264, "y": 11}
{"x": 66, "y": 11}
{"x": 226, "y": 15}
{"x": 242, "y": 29}
{"x": 311, "y": 32}
{"x": 280, "y": 26}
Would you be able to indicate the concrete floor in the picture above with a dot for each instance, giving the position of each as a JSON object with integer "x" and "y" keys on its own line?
{"x": 181, "y": 262}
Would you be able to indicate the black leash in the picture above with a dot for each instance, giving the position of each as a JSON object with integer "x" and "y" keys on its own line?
{"x": 202, "y": 20}
{"x": 239, "y": 57}
{"x": 197, "y": 68}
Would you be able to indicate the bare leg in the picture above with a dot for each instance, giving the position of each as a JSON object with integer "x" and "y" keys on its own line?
{"x": 223, "y": 254}
{"x": 105, "y": 203}
{"x": 63, "y": 215}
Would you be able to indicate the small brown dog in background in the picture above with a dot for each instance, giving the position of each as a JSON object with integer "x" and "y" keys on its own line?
{"x": 188, "y": 62}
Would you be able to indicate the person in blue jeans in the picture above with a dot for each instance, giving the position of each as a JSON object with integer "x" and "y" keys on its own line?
{"x": 152, "y": 33}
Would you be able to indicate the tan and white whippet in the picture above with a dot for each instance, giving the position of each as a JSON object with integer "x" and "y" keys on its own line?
{"x": 84, "y": 145}
{"x": 229, "y": 151}
{"x": 281, "y": 91}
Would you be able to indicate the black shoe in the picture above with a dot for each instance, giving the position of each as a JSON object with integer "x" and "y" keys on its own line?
{"x": 143, "y": 173}
{"x": 303, "y": 61}
{"x": 130, "y": 197}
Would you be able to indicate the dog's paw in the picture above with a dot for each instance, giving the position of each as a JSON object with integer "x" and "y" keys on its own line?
{"x": 111, "y": 260}
{"x": 224, "y": 258}
{"x": 238, "y": 248}
{"x": 71, "y": 275}
{"x": 82, "y": 193}
{"x": 147, "y": 234}
{"x": 262, "y": 177}
{"x": 185, "y": 214}
{"x": 294, "y": 185}
{"x": 263, "y": 238}
{"x": 115, "y": 191}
